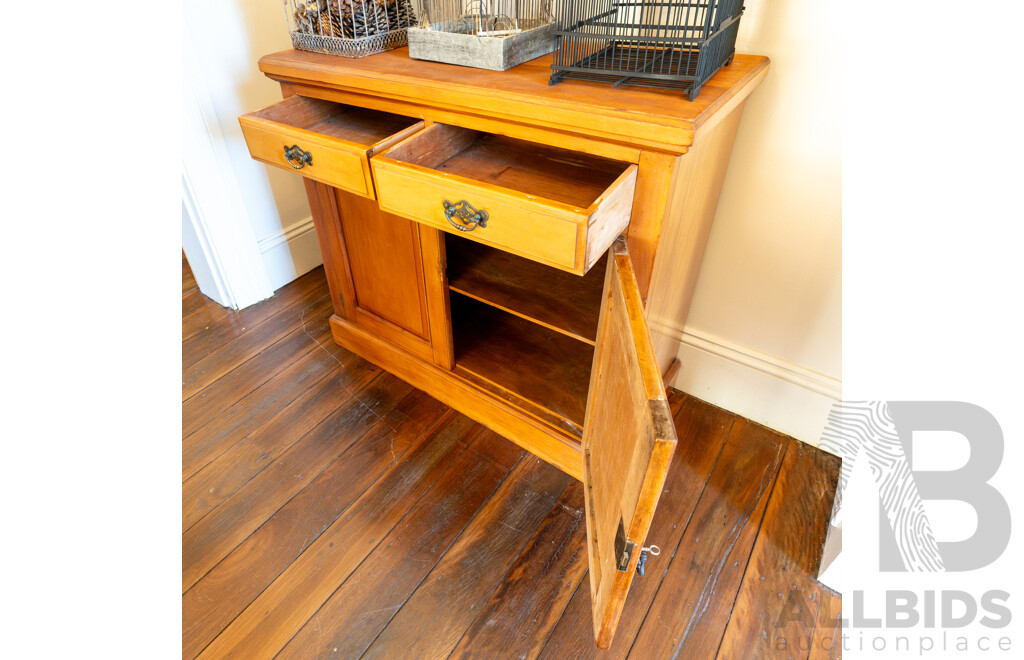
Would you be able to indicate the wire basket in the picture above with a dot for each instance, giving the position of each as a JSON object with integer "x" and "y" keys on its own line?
{"x": 677, "y": 44}
{"x": 350, "y": 28}
{"x": 485, "y": 34}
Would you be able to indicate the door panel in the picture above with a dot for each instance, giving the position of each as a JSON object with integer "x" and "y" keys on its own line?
{"x": 628, "y": 443}
{"x": 384, "y": 259}
{"x": 375, "y": 266}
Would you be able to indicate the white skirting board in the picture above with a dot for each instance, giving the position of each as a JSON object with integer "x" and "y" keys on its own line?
{"x": 782, "y": 396}
{"x": 290, "y": 253}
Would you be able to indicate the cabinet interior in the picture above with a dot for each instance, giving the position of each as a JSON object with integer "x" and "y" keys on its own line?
{"x": 524, "y": 331}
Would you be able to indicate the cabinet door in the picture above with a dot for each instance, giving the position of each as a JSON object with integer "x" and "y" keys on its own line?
{"x": 384, "y": 272}
{"x": 628, "y": 442}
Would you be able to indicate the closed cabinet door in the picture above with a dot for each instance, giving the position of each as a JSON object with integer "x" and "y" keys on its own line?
{"x": 385, "y": 272}
{"x": 628, "y": 443}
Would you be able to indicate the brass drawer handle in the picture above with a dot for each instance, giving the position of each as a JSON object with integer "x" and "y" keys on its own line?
{"x": 296, "y": 157}
{"x": 466, "y": 218}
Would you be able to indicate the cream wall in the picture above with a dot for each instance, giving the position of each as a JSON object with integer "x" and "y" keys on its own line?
{"x": 764, "y": 334}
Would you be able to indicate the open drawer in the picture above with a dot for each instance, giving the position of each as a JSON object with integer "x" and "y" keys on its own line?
{"x": 329, "y": 142}
{"x": 557, "y": 207}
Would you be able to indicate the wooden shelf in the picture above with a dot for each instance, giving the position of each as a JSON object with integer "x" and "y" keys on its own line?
{"x": 567, "y": 303}
{"x": 545, "y": 372}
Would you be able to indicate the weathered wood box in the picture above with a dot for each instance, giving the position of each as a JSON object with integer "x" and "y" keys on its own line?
{"x": 457, "y": 42}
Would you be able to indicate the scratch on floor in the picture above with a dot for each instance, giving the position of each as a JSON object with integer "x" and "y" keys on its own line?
{"x": 348, "y": 391}
{"x": 575, "y": 513}
{"x": 383, "y": 609}
{"x": 505, "y": 524}
{"x": 302, "y": 319}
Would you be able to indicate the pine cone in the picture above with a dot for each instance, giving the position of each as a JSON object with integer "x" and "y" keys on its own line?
{"x": 370, "y": 19}
{"x": 327, "y": 27}
{"x": 336, "y": 21}
{"x": 355, "y": 19}
{"x": 307, "y": 18}
{"x": 405, "y": 15}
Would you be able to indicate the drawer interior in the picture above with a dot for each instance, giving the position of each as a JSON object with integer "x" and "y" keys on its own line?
{"x": 569, "y": 177}
{"x": 359, "y": 125}
{"x": 524, "y": 331}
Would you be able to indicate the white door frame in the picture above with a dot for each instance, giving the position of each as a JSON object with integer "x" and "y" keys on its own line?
{"x": 217, "y": 234}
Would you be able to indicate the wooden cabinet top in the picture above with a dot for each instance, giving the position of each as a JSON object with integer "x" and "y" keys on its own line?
{"x": 637, "y": 116}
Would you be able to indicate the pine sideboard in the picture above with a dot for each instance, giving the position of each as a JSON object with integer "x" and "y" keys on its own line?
{"x": 524, "y": 253}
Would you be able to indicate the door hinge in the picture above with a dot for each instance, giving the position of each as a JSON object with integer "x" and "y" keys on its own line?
{"x": 341, "y": 298}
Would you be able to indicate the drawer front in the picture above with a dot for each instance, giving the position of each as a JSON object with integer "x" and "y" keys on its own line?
{"x": 328, "y": 162}
{"x": 323, "y": 140}
{"x": 529, "y": 230}
{"x": 340, "y": 167}
{"x": 556, "y": 207}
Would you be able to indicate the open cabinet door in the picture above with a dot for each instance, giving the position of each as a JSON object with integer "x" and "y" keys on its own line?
{"x": 628, "y": 442}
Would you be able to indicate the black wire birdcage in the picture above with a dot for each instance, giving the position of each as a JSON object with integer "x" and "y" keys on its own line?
{"x": 657, "y": 43}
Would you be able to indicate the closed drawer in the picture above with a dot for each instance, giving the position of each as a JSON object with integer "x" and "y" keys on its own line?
{"x": 329, "y": 142}
{"x": 557, "y": 207}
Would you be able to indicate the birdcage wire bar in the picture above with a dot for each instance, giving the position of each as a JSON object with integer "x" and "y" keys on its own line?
{"x": 488, "y": 34}
{"x": 350, "y": 28}
{"x": 677, "y": 44}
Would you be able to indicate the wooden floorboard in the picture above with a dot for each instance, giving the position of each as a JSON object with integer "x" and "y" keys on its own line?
{"x": 237, "y": 382}
{"x": 267, "y": 624}
{"x": 437, "y": 615}
{"x": 220, "y": 325}
{"x": 330, "y": 510}
{"x": 201, "y": 320}
{"x": 777, "y": 607}
{"x": 252, "y": 434}
{"x": 203, "y": 372}
{"x": 522, "y": 611}
{"x": 827, "y": 641}
{"x": 193, "y": 301}
{"x": 224, "y": 328}
{"x": 232, "y": 410}
{"x": 691, "y": 610}
{"x": 188, "y": 281}
{"x": 216, "y": 534}
{"x": 235, "y": 582}
{"x": 701, "y": 430}
{"x": 358, "y": 610}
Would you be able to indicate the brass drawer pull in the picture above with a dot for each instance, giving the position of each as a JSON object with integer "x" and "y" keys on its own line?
{"x": 296, "y": 157}
{"x": 467, "y": 217}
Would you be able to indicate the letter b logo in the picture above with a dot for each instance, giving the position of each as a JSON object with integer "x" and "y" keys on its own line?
{"x": 884, "y": 432}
